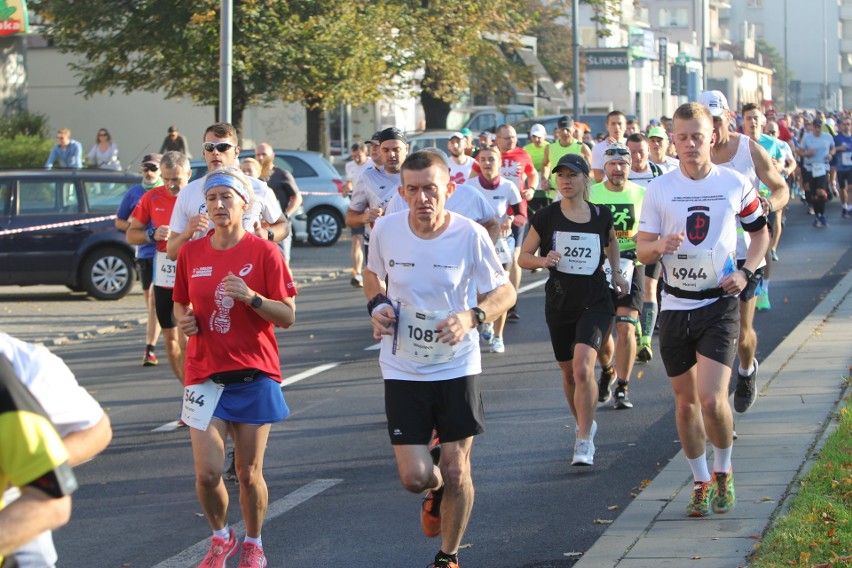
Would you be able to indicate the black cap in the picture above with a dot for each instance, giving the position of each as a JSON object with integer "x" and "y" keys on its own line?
{"x": 375, "y": 138}
{"x": 565, "y": 121}
{"x": 173, "y": 129}
{"x": 817, "y": 122}
{"x": 392, "y": 133}
{"x": 574, "y": 162}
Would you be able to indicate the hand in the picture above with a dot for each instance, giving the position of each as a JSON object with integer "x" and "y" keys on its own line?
{"x": 453, "y": 329}
{"x": 734, "y": 283}
{"x": 162, "y": 233}
{"x": 619, "y": 284}
{"x": 188, "y": 324}
{"x": 551, "y": 260}
{"x": 528, "y": 194}
{"x": 670, "y": 243}
{"x": 236, "y": 288}
{"x": 374, "y": 213}
{"x": 765, "y": 205}
{"x": 199, "y": 223}
{"x": 384, "y": 319}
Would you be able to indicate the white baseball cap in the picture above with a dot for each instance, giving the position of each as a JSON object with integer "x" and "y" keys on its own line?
{"x": 538, "y": 130}
{"x": 715, "y": 102}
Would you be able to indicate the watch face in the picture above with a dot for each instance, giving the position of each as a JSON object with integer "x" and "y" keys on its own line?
{"x": 256, "y": 302}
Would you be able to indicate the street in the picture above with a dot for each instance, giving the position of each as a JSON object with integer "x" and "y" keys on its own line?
{"x": 335, "y": 500}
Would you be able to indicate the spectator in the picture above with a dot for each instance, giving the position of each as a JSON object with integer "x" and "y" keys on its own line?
{"x": 284, "y": 186}
{"x": 104, "y": 154}
{"x": 175, "y": 142}
{"x": 68, "y": 152}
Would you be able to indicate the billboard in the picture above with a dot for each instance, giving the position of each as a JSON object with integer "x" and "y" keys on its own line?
{"x": 13, "y": 17}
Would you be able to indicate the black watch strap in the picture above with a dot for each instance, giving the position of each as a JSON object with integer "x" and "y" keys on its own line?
{"x": 269, "y": 234}
{"x": 748, "y": 273}
{"x": 478, "y": 315}
{"x": 377, "y": 300}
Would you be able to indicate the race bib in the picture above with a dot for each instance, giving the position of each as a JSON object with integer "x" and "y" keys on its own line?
{"x": 846, "y": 159}
{"x": 625, "y": 266}
{"x": 818, "y": 170}
{"x": 416, "y": 336}
{"x": 164, "y": 271}
{"x": 199, "y": 402}
{"x": 505, "y": 248}
{"x": 580, "y": 252}
{"x": 692, "y": 271}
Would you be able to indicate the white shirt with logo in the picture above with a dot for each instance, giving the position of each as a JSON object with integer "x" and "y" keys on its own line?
{"x": 374, "y": 189}
{"x": 433, "y": 275}
{"x": 460, "y": 172}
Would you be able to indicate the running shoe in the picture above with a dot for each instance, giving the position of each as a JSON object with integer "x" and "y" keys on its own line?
{"x": 745, "y": 393}
{"x": 810, "y": 210}
{"x": 584, "y": 453}
{"x": 497, "y": 345}
{"x": 644, "y": 354}
{"x": 231, "y": 473}
{"x": 604, "y": 384}
{"x": 442, "y": 561}
{"x": 512, "y": 314}
{"x": 703, "y": 496}
{"x": 823, "y": 221}
{"x": 844, "y": 213}
{"x": 762, "y": 302}
{"x": 775, "y": 255}
{"x": 486, "y": 332}
{"x": 621, "y": 400}
{"x": 220, "y": 551}
{"x": 430, "y": 513}
{"x": 149, "y": 360}
{"x": 357, "y": 281}
{"x": 726, "y": 497}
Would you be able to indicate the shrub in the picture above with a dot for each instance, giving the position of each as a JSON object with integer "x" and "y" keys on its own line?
{"x": 24, "y": 151}
{"x": 23, "y": 123}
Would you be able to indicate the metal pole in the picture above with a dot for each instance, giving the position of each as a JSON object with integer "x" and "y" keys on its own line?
{"x": 226, "y": 68}
{"x": 825, "y": 60}
{"x": 705, "y": 9}
{"x": 786, "y": 65}
{"x": 576, "y": 39}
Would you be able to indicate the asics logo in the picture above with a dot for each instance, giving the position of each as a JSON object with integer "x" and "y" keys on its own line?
{"x": 246, "y": 269}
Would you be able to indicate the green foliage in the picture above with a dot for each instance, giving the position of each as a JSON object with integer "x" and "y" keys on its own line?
{"x": 23, "y": 151}
{"x": 555, "y": 43}
{"x": 28, "y": 124}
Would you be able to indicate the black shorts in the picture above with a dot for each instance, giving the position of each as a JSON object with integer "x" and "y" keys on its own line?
{"x": 567, "y": 329}
{"x": 751, "y": 288}
{"x": 711, "y": 331}
{"x": 414, "y": 408}
{"x": 636, "y": 297}
{"x": 146, "y": 271}
{"x": 519, "y": 232}
{"x": 653, "y": 270}
{"x": 770, "y": 221}
{"x": 816, "y": 183}
{"x": 358, "y": 231}
{"x": 844, "y": 179}
{"x": 165, "y": 307}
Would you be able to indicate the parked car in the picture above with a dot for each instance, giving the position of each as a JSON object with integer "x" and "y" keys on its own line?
{"x": 58, "y": 227}
{"x": 429, "y": 139}
{"x": 489, "y": 118}
{"x": 322, "y": 216}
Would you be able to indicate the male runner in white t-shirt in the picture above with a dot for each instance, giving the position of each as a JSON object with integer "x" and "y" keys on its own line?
{"x": 460, "y": 162}
{"x": 430, "y": 350}
{"x": 616, "y": 124}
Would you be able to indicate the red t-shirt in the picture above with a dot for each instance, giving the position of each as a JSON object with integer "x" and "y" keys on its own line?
{"x": 155, "y": 207}
{"x": 516, "y": 166}
{"x": 231, "y": 335}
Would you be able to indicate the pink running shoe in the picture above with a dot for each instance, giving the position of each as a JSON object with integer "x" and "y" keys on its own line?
{"x": 252, "y": 556}
{"x": 220, "y": 551}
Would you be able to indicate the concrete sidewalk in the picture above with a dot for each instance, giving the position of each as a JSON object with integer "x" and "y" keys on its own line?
{"x": 799, "y": 386}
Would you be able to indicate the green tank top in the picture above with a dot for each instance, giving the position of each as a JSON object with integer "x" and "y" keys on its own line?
{"x": 556, "y": 151}
{"x": 626, "y": 207}
{"x": 537, "y": 155}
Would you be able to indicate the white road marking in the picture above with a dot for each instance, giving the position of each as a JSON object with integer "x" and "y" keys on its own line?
{"x": 309, "y": 373}
{"x": 168, "y": 427}
{"x": 374, "y": 347}
{"x": 195, "y": 553}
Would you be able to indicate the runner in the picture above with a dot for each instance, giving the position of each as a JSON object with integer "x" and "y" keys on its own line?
{"x": 688, "y": 224}
{"x": 429, "y": 258}
{"x": 624, "y": 200}
{"x": 149, "y": 223}
{"x": 461, "y": 163}
{"x": 565, "y": 143}
{"x": 817, "y": 148}
{"x": 536, "y": 149}
{"x": 843, "y": 149}
{"x": 232, "y": 288}
{"x": 616, "y": 124}
{"x": 574, "y": 238}
{"x": 360, "y": 162}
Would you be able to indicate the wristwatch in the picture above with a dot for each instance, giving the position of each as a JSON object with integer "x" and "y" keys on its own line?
{"x": 149, "y": 234}
{"x": 269, "y": 234}
{"x": 256, "y": 302}
{"x": 478, "y": 315}
{"x": 748, "y": 273}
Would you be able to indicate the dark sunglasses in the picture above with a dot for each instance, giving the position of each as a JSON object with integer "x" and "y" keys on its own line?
{"x": 150, "y": 168}
{"x": 220, "y": 147}
{"x": 616, "y": 152}
{"x": 102, "y": 134}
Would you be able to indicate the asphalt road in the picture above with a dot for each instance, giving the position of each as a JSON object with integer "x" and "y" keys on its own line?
{"x": 335, "y": 498}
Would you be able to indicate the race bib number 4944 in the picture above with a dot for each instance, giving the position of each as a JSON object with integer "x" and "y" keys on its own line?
{"x": 693, "y": 271}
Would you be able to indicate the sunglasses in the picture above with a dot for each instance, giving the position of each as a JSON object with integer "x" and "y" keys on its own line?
{"x": 150, "y": 168}
{"x": 616, "y": 152}
{"x": 220, "y": 147}
{"x": 102, "y": 134}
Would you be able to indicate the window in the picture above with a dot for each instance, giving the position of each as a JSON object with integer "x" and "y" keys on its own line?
{"x": 5, "y": 194}
{"x": 105, "y": 196}
{"x": 296, "y": 166}
{"x": 754, "y": 3}
{"x": 47, "y": 197}
{"x": 674, "y": 17}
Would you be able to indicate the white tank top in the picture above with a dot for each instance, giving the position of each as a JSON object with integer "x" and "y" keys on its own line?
{"x": 742, "y": 162}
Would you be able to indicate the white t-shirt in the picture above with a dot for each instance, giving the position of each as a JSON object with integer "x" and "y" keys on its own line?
{"x": 193, "y": 201}
{"x": 642, "y": 178}
{"x": 460, "y": 172}
{"x": 669, "y": 165}
{"x": 434, "y": 275}
{"x": 707, "y": 210}
{"x": 501, "y": 197}
{"x": 466, "y": 200}
{"x": 354, "y": 169}
{"x": 374, "y": 188}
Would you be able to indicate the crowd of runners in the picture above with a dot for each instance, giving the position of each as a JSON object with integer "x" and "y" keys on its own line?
{"x": 671, "y": 228}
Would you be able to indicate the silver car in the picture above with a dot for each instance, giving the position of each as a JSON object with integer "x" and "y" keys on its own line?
{"x": 321, "y": 218}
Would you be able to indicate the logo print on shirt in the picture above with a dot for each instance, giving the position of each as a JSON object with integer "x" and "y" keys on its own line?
{"x": 697, "y": 224}
{"x": 220, "y": 319}
{"x": 246, "y": 269}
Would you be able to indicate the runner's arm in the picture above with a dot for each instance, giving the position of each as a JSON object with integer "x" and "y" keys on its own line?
{"x": 31, "y": 514}
{"x": 779, "y": 194}
{"x": 527, "y": 259}
{"x": 83, "y": 445}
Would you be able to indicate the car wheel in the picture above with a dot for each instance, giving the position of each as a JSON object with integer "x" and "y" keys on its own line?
{"x": 107, "y": 274}
{"x": 324, "y": 227}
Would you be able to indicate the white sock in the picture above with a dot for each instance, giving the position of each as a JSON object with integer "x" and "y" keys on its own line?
{"x": 699, "y": 468}
{"x": 766, "y": 285}
{"x": 249, "y": 540}
{"x": 746, "y": 372}
{"x": 224, "y": 533}
{"x": 722, "y": 459}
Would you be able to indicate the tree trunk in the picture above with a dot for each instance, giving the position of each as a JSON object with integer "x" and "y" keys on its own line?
{"x": 435, "y": 110}
{"x": 317, "y": 130}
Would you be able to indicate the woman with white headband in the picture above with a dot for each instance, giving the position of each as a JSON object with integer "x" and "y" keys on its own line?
{"x": 231, "y": 290}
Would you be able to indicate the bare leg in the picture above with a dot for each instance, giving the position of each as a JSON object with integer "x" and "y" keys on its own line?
{"x": 249, "y": 449}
